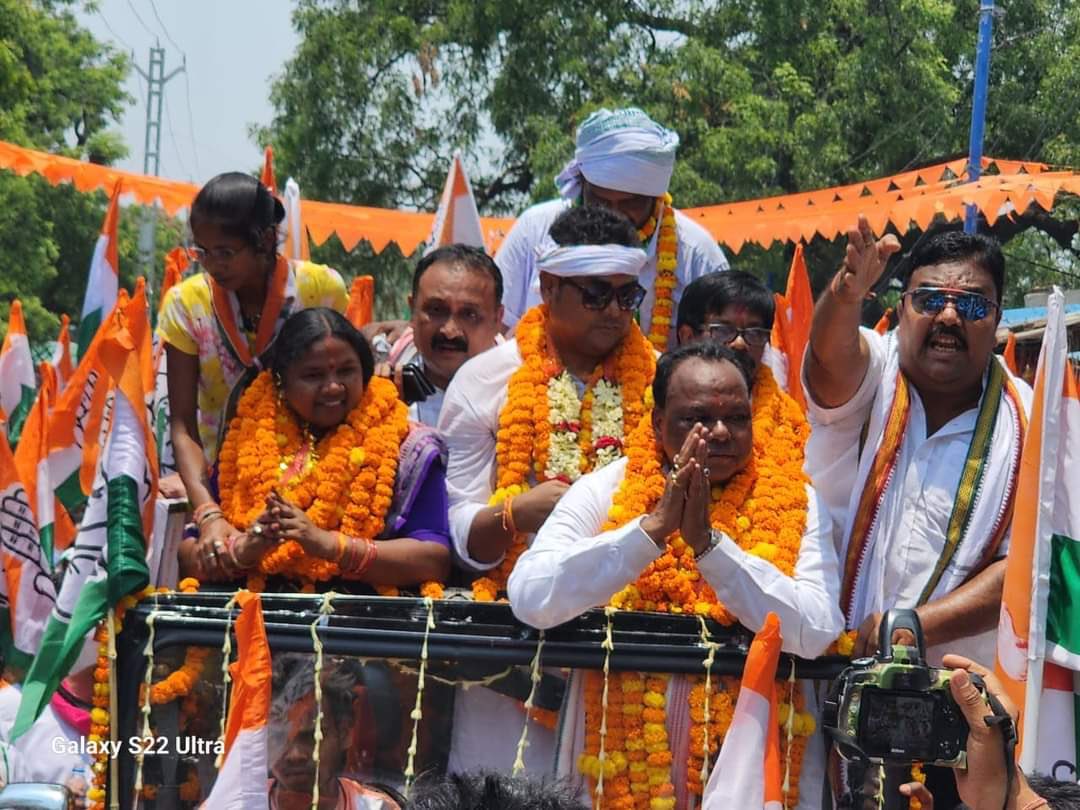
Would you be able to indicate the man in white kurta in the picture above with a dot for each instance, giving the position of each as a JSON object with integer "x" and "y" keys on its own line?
{"x": 624, "y": 160}
{"x": 941, "y": 355}
{"x": 577, "y": 278}
{"x": 573, "y": 566}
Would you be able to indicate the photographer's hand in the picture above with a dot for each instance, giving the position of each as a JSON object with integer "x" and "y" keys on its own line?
{"x": 866, "y": 642}
{"x": 917, "y": 790}
{"x": 984, "y": 785}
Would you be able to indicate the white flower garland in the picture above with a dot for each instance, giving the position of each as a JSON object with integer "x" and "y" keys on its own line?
{"x": 565, "y": 458}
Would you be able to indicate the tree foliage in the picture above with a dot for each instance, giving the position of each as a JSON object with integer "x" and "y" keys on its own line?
{"x": 768, "y": 96}
{"x": 60, "y": 90}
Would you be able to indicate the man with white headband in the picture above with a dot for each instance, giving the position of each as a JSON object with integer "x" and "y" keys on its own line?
{"x": 623, "y": 161}
{"x": 526, "y": 419}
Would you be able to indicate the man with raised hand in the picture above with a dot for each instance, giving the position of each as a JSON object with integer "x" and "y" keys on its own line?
{"x": 623, "y": 161}
{"x": 916, "y": 439}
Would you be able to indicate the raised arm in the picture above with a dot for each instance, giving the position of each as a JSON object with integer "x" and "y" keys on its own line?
{"x": 838, "y": 356}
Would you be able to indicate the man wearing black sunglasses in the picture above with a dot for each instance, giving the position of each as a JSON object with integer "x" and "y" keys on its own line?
{"x": 916, "y": 439}
{"x": 525, "y": 419}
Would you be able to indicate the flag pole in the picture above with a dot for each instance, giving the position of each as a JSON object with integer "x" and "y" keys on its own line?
{"x": 978, "y": 104}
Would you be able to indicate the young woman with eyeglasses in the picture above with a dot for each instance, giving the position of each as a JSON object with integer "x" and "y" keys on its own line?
{"x": 218, "y": 324}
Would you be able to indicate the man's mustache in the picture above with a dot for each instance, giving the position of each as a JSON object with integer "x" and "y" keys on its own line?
{"x": 947, "y": 331}
{"x": 451, "y": 344}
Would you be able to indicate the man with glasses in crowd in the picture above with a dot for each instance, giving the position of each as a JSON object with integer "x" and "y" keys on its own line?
{"x": 916, "y": 439}
{"x": 513, "y": 419}
{"x": 735, "y": 308}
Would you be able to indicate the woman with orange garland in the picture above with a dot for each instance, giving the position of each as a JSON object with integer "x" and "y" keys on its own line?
{"x": 697, "y": 519}
{"x": 321, "y": 474}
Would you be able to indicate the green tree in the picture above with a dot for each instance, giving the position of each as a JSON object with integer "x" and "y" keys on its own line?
{"x": 768, "y": 97}
{"x": 60, "y": 89}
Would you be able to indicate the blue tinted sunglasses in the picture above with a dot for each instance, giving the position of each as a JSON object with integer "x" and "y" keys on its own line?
{"x": 970, "y": 306}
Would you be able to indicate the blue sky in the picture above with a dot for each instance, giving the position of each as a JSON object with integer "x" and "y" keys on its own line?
{"x": 234, "y": 48}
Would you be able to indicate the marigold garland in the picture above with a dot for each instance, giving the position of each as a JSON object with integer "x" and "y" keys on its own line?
{"x": 99, "y": 721}
{"x": 349, "y": 486}
{"x": 667, "y": 261}
{"x": 534, "y": 437}
{"x": 763, "y": 509}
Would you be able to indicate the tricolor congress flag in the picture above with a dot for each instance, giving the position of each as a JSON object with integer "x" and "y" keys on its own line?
{"x": 747, "y": 770}
{"x": 457, "y": 220}
{"x": 17, "y": 383}
{"x": 241, "y": 782}
{"x": 1038, "y": 646}
{"x": 32, "y": 461}
{"x": 61, "y": 358}
{"x": 27, "y": 593}
{"x": 104, "y": 282}
{"x": 109, "y": 560}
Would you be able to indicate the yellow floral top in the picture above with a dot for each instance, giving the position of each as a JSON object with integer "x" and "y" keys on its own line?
{"x": 188, "y": 323}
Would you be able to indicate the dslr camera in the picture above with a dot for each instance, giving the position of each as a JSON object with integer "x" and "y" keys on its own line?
{"x": 893, "y": 708}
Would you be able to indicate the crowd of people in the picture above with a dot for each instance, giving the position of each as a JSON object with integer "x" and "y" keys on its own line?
{"x": 595, "y": 417}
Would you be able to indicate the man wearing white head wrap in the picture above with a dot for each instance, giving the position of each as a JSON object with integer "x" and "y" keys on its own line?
{"x": 512, "y": 458}
{"x": 624, "y": 161}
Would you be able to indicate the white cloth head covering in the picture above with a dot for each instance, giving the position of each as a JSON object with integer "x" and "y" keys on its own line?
{"x": 622, "y": 150}
{"x": 588, "y": 261}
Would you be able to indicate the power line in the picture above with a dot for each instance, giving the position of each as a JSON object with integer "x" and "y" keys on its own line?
{"x": 1049, "y": 267}
{"x": 115, "y": 35}
{"x": 140, "y": 19}
{"x": 172, "y": 134}
{"x": 165, "y": 28}
{"x": 191, "y": 123}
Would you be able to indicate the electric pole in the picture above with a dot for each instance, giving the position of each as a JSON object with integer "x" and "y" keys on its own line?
{"x": 155, "y": 95}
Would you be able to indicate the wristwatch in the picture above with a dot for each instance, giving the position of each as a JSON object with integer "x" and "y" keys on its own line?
{"x": 714, "y": 540}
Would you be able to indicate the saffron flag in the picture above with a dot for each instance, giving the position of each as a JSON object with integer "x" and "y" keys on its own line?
{"x": 361, "y": 306}
{"x": 32, "y": 461}
{"x": 797, "y": 314}
{"x": 17, "y": 383}
{"x": 27, "y": 593}
{"x": 1009, "y": 355}
{"x": 457, "y": 220}
{"x": 267, "y": 176}
{"x": 110, "y": 550}
{"x": 747, "y": 770}
{"x": 103, "y": 285}
{"x": 296, "y": 241}
{"x": 176, "y": 262}
{"x": 62, "y": 354}
{"x": 1039, "y": 626}
{"x": 241, "y": 781}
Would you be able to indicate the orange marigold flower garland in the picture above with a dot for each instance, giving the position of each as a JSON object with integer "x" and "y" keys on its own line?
{"x": 541, "y": 425}
{"x": 667, "y": 260}
{"x": 99, "y": 721}
{"x": 348, "y": 483}
{"x": 763, "y": 509}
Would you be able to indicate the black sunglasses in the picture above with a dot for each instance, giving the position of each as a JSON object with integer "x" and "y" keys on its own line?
{"x": 971, "y": 306}
{"x": 598, "y": 295}
{"x": 756, "y": 336}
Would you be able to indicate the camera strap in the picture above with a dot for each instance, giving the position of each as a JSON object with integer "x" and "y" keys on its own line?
{"x": 1003, "y": 720}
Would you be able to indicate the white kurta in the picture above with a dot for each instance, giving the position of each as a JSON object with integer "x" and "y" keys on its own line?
{"x": 909, "y": 535}
{"x": 697, "y": 254}
{"x": 487, "y": 725}
{"x": 571, "y": 566}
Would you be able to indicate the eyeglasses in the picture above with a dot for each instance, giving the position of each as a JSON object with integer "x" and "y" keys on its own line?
{"x": 216, "y": 255}
{"x": 756, "y": 336}
{"x": 970, "y": 306}
{"x": 599, "y": 295}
